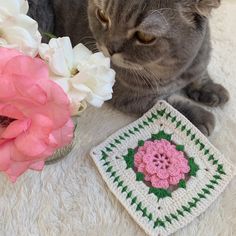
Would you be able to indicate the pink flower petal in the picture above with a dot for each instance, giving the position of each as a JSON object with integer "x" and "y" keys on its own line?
{"x": 5, "y": 156}
{"x": 37, "y": 166}
{"x": 16, "y": 128}
{"x": 151, "y": 168}
{"x": 175, "y": 180}
{"x": 26, "y": 66}
{"x": 162, "y": 174}
{"x": 5, "y": 56}
{"x": 158, "y": 183}
{"x": 11, "y": 111}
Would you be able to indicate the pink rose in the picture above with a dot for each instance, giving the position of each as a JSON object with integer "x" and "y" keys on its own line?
{"x": 161, "y": 163}
{"x": 34, "y": 114}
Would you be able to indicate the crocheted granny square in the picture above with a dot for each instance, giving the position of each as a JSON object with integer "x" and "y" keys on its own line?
{"x": 163, "y": 170}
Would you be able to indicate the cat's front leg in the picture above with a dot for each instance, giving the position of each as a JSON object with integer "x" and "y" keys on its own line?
{"x": 201, "y": 118}
{"x": 205, "y": 91}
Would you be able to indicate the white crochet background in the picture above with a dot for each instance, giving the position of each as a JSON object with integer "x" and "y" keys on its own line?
{"x": 70, "y": 198}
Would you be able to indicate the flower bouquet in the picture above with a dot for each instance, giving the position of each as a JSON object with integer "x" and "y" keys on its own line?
{"x": 42, "y": 86}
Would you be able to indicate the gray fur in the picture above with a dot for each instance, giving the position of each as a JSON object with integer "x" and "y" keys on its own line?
{"x": 177, "y": 61}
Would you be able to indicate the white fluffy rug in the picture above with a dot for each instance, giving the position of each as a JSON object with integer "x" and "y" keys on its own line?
{"x": 70, "y": 198}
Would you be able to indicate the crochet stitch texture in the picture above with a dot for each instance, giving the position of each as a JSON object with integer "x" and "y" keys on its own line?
{"x": 190, "y": 175}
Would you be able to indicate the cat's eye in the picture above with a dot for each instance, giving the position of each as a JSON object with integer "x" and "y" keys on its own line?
{"x": 145, "y": 38}
{"x": 101, "y": 15}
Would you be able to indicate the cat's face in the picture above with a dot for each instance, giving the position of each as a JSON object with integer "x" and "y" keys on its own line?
{"x": 138, "y": 34}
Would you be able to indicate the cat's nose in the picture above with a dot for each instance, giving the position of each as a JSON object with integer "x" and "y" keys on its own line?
{"x": 111, "y": 51}
{"x": 114, "y": 48}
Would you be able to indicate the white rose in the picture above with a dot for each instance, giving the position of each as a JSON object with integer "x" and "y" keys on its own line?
{"x": 17, "y": 30}
{"x": 82, "y": 74}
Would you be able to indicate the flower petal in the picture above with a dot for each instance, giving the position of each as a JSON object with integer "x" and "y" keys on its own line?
{"x": 16, "y": 128}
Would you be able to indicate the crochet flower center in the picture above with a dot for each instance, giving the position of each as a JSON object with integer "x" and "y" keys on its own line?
{"x": 161, "y": 163}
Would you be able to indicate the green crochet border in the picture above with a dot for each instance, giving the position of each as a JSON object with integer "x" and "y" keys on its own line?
{"x": 134, "y": 199}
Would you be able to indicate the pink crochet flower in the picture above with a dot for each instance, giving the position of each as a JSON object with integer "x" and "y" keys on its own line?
{"x": 161, "y": 163}
{"x": 34, "y": 114}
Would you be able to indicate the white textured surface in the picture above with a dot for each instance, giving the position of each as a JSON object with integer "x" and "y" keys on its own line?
{"x": 71, "y": 198}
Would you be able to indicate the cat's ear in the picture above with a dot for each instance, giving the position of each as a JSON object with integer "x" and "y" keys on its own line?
{"x": 204, "y": 7}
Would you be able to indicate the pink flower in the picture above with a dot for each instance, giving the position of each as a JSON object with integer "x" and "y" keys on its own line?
{"x": 34, "y": 114}
{"x": 161, "y": 163}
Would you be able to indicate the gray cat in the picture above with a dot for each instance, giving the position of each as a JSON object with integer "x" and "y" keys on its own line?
{"x": 160, "y": 49}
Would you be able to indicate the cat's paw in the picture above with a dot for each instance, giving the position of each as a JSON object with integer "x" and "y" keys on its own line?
{"x": 202, "y": 119}
{"x": 210, "y": 94}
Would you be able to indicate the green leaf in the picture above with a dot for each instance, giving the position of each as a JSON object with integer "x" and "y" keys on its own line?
{"x": 186, "y": 209}
{"x": 106, "y": 163}
{"x": 154, "y": 116}
{"x": 108, "y": 149}
{"x": 210, "y": 186}
{"x": 134, "y": 200}
{"x": 215, "y": 162}
{"x": 109, "y": 169}
{"x": 168, "y": 219}
{"x": 162, "y": 135}
{"x": 130, "y": 131}
{"x": 49, "y": 35}
{"x": 180, "y": 148}
{"x": 140, "y": 127}
{"x": 162, "y": 112}
{"x": 117, "y": 141}
{"x": 202, "y": 146}
{"x": 145, "y": 211}
{"x": 201, "y": 195}
{"x": 211, "y": 157}
{"x": 160, "y": 193}
{"x": 182, "y": 184}
{"x": 178, "y": 124}
{"x": 214, "y": 182}
{"x": 104, "y": 156}
{"x": 116, "y": 179}
{"x": 193, "y": 167}
{"x": 220, "y": 169}
{"x": 139, "y": 207}
{"x": 124, "y": 189}
{"x": 112, "y": 145}
{"x": 140, "y": 143}
{"x": 206, "y": 151}
{"x": 139, "y": 176}
{"x": 180, "y": 212}
{"x": 113, "y": 174}
{"x": 217, "y": 177}
{"x": 192, "y": 204}
{"x": 188, "y": 132}
{"x": 173, "y": 119}
{"x": 150, "y": 217}
{"x": 174, "y": 216}
{"x": 150, "y": 120}
{"x": 136, "y": 129}
{"x": 129, "y": 194}
{"x": 120, "y": 183}
{"x": 206, "y": 191}
{"x": 129, "y": 158}
{"x": 159, "y": 222}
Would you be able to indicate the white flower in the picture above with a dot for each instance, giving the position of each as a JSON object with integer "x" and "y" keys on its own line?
{"x": 82, "y": 74}
{"x": 17, "y": 30}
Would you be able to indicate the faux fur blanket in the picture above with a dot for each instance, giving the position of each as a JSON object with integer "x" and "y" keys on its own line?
{"x": 70, "y": 198}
